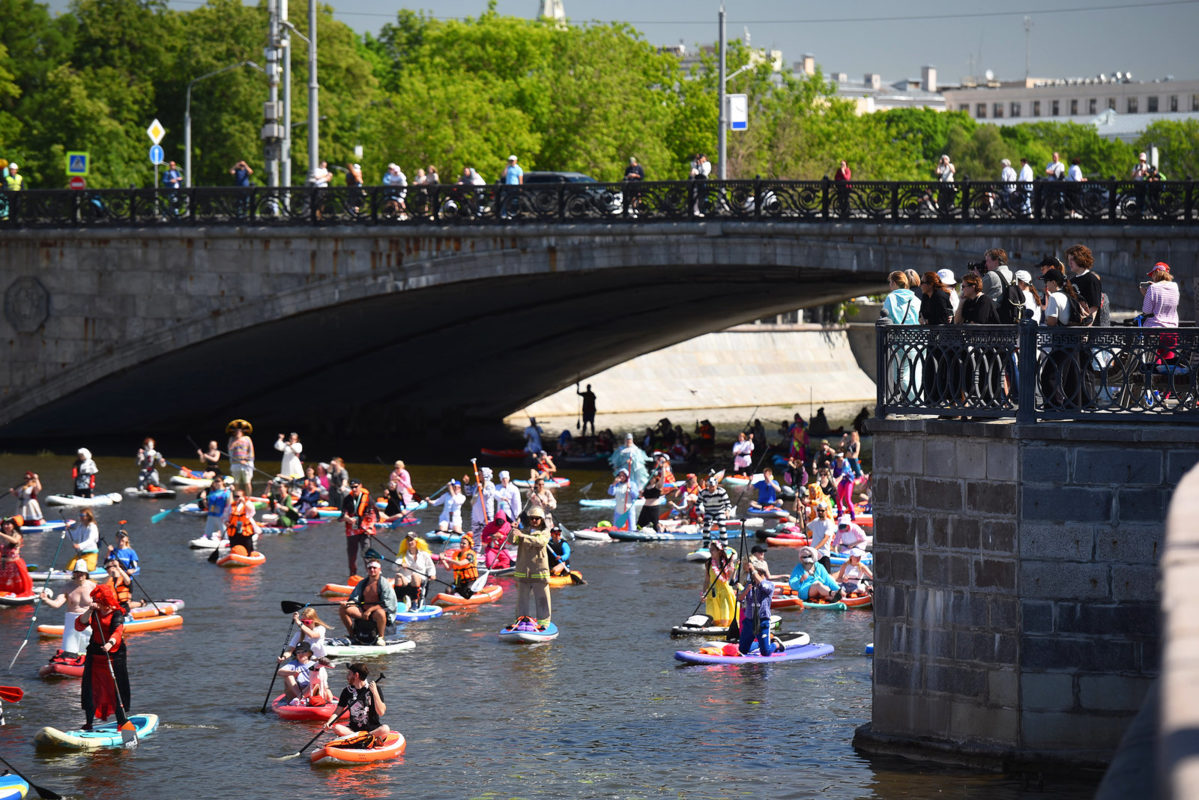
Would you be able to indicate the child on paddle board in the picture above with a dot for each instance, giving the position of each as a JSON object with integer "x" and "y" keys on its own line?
{"x": 364, "y": 701}
{"x": 310, "y": 630}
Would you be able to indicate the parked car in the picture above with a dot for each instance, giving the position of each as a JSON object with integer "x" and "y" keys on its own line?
{"x": 585, "y": 196}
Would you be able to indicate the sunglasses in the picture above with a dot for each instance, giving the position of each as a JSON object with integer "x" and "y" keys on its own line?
{"x": 535, "y": 519}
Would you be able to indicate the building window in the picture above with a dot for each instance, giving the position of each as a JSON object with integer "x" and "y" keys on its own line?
{"x": 964, "y": 107}
{"x": 1055, "y": 108}
{"x": 1036, "y": 108}
{"x": 1074, "y": 107}
{"x": 980, "y": 110}
{"x": 1173, "y": 102}
{"x": 1195, "y": 102}
{"x": 1093, "y": 105}
{"x": 1132, "y": 105}
{"x": 998, "y": 108}
{"x": 1111, "y": 103}
{"x": 1015, "y": 109}
{"x": 1151, "y": 104}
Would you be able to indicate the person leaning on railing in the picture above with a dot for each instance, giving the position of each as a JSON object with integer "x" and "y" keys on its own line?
{"x": 902, "y": 307}
{"x": 935, "y": 311}
{"x": 1061, "y": 373}
{"x": 980, "y": 369}
{"x": 1160, "y": 310}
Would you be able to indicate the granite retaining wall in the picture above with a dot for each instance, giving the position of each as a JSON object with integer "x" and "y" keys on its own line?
{"x": 1017, "y": 567}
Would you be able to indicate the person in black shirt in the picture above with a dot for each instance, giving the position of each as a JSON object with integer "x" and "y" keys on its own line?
{"x": 1087, "y": 283}
{"x": 982, "y": 370}
{"x": 935, "y": 310}
{"x": 976, "y": 307}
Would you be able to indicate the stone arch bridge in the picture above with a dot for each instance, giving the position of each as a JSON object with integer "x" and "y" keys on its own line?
{"x": 362, "y": 330}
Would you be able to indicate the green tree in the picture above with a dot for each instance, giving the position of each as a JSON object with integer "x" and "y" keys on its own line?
{"x": 1178, "y": 142}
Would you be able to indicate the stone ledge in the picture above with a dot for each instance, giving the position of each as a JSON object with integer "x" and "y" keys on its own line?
{"x": 977, "y": 755}
{"x": 1149, "y": 430}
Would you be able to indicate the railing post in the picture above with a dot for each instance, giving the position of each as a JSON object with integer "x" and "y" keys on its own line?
{"x": 561, "y": 202}
{"x": 1190, "y": 202}
{"x": 824, "y": 194}
{"x": 880, "y": 360}
{"x": 966, "y": 199}
{"x": 1026, "y": 366}
{"x": 758, "y": 198}
{"x": 1113, "y": 186}
{"x": 894, "y": 201}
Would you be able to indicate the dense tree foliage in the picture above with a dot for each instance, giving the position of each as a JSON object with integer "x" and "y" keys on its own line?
{"x": 459, "y": 93}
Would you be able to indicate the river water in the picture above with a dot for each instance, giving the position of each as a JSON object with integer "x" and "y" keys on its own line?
{"x": 603, "y": 712}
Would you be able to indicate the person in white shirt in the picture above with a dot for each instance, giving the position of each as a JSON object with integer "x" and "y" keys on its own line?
{"x": 507, "y": 497}
{"x": 1057, "y": 305}
{"x": 1026, "y": 178}
{"x": 451, "y": 508}
{"x": 291, "y": 448}
{"x": 1008, "y": 176}
{"x": 1055, "y": 169}
{"x": 848, "y": 535}
{"x": 1032, "y": 300}
{"x": 948, "y": 281}
{"x": 533, "y": 437}
{"x": 821, "y": 531}
{"x": 743, "y": 451}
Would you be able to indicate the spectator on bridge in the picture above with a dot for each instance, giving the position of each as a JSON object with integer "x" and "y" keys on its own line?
{"x": 935, "y": 310}
{"x": 394, "y": 194}
{"x": 901, "y": 306}
{"x": 701, "y": 168}
{"x": 1060, "y": 374}
{"x": 13, "y": 180}
{"x": 1007, "y": 176}
{"x": 945, "y": 173}
{"x": 1160, "y": 308}
{"x": 1055, "y": 169}
{"x": 172, "y": 178}
{"x": 634, "y": 171}
{"x": 1026, "y": 181}
{"x": 913, "y": 280}
{"x": 979, "y": 371}
{"x": 633, "y": 174}
{"x": 841, "y": 177}
{"x": 355, "y": 195}
{"x": 1032, "y": 300}
{"x": 949, "y": 281}
{"x": 1090, "y": 289}
{"x": 996, "y": 275}
{"x": 241, "y": 173}
{"x": 431, "y": 176}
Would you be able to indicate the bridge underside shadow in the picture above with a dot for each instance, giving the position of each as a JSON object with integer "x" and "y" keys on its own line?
{"x": 424, "y": 360}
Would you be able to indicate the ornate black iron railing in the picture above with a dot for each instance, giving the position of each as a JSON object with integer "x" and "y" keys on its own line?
{"x": 1123, "y": 202}
{"x": 1032, "y": 372}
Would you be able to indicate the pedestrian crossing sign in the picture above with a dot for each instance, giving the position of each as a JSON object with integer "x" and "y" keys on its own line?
{"x": 77, "y": 163}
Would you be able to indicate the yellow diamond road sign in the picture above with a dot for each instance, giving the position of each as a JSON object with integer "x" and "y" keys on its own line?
{"x": 156, "y": 132}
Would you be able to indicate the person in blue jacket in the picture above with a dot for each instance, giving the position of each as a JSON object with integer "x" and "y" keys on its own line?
{"x": 811, "y": 580}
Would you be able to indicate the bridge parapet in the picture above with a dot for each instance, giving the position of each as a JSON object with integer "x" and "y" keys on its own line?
{"x": 1136, "y": 203}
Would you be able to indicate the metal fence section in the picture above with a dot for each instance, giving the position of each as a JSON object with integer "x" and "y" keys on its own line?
{"x": 1031, "y": 372}
{"x": 1117, "y": 202}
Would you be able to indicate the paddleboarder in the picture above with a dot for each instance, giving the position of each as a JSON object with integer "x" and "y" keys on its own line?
{"x": 465, "y": 563}
{"x": 755, "y": 611}
{"x": 363, "y": 700}
{"x": 217, "y": 503}
{"x": 358, "y": 514}
{"x": 533, "y": 570}
{"x": 148, "y": 462}
{"x": 83, "y": 473}
{"x": 373, "y": 599}
{"x": 98, "y": 696}
{"x": 26, "y": 495}
{"x": 78, "y": 603}
{"x": 14, "y": 575}
{"x": 85, "y": 537}
{"x": 558, "y": 552}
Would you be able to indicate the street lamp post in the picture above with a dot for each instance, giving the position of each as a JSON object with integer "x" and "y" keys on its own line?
{"x": 187, "y": 116}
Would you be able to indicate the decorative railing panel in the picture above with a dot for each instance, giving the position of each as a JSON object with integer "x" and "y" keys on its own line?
{"x": 1120, "y": 202}
{"x": 1032, "y": 372}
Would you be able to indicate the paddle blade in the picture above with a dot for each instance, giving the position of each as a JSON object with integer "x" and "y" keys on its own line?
{"x": 161, "y": 515}
{"x": 11, "y": 694}
{"x": 19, "y": 649}
{"x": 585, "y": 489}
{"x": 577, "y": 579}
{"x": 128, "y": 735}
{"x": 291, "y": 606}
{"x": 480, "y": 581}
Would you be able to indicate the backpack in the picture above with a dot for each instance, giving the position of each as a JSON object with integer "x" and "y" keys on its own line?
{"x": 1078, "y": 319}
{"x": 1011, "y": 301}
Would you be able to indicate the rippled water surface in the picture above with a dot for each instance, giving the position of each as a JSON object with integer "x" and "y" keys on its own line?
{"x": 604, "y": 711}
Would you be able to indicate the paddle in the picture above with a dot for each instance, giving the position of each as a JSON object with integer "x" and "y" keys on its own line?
{"x": 42, "y": 791}
{"x": 479, "y": 488}
{"x": 275, "y": 672}
{"x": 38, "y": 602}
{"x": 128, "y": 732}
{"x": 584, "y": 490}
{"x": 161, "y": 515}
{"x": 191, "y": 473}
{"x": 291, "y": 607}
{"x": 11, "y": 694}
{"x": 320, "y": 733}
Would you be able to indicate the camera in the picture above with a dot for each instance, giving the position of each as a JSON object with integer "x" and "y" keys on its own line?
{"x": 976, "y": 266}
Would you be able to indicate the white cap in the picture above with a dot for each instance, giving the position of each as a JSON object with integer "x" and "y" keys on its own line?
{"x": 487, "y": 473}
{"x": 1023, "y": 275}
{"x": 511, "y": 158}
{"x": 14, "y": 165}
{"x": 1007, "y": 162}
{"x": 1142, "y": 157}
{"x": 946, "y": 276}
{"x": 857, "y": 551}
{"x": 504, "y": 474}
{"x": 393, "y": 165}
{"x": 843, "y": 519}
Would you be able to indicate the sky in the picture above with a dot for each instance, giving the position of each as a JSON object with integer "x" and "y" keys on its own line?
{"x": 1069, "y": 38}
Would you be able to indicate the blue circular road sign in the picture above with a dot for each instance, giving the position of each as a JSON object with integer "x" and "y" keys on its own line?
{"x": 156, "y": 154}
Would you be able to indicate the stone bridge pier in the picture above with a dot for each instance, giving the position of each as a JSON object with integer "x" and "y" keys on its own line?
{"x": 1017, "y": 568}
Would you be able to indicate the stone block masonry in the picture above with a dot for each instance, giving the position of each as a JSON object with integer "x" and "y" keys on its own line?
{"x": 1017, "y": 569}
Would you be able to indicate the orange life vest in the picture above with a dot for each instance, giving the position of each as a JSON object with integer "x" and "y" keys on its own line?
{"x": 471, "y": 571}
{"x": 239, "y": 520}
{"x": 122, "y": 590}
